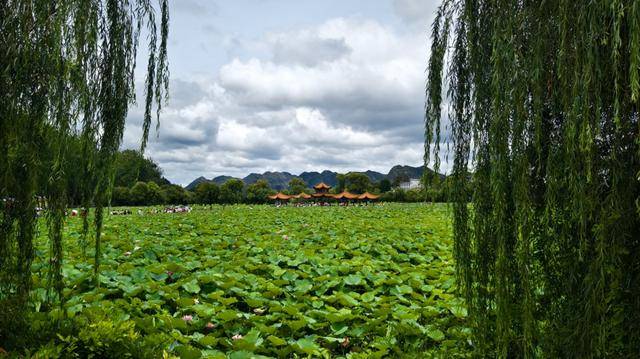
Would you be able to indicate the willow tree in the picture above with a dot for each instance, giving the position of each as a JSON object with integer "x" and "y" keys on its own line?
{"x": 543, "y": 101}
{"x": 66, "y": 71}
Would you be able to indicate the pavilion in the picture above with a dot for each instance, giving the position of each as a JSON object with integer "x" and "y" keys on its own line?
{"x": 322, "y": 191}
{"x": 322, "y": 194}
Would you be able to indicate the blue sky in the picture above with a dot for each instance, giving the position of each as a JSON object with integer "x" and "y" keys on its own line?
{"x": 274, "y": 85}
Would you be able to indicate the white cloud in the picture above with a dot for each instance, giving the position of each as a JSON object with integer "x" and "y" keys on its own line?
{"x": 383, "y": 71}
{"x": 418, "y": 13}
{"x": 311, "y": 127}
{"x": 196, "y": 7}
{"x": 306, "y": 48}
{"x": 344, "y": 95}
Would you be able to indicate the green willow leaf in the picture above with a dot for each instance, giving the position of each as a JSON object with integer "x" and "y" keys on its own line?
{"x": 542, "y": 126}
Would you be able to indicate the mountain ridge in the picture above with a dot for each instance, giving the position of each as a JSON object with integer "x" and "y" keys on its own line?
{"x": 280, "y": 180}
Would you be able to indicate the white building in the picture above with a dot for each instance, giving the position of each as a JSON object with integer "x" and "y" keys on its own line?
{"x": 414, "y": 183}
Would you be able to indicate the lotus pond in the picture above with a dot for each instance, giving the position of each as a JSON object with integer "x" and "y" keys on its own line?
{"x": 251, "y": 282}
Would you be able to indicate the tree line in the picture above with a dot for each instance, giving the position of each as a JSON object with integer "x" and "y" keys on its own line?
{"x": 139, "y": 182}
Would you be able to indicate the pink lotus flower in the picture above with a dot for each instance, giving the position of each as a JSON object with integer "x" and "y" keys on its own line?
{"x": 188, "y": 318}
{"x": 210, "y": 326}
{"x": 237, "y": 337}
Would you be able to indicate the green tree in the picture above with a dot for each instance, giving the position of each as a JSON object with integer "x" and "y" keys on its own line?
{"x": 357, "y": 182}
{"x": 66, "y": 70}
{"x": 74, "y": 183}
{"x": 385, "y": 185}
{"x": 258, "y": 192}
{"x": 297, "y": 186}
{"x": 190, "y": 197}
{"x": 140, "y": 194}
{"x": 155, "y": 194}
{"x": 395, "y": 195}
{"x": 341, "y": 183}
{"x": 414, "y": 195}
{"x": 545, "y": 99}
{"x": 231, "y": 192}
{"x": 121, "y": 196}
{"x": 131, "y": 167}
{"x": 207, "y": 193}
{"x": 174, "y": 194}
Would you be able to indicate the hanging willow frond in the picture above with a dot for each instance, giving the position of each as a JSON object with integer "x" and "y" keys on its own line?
{"x": 67, "y": 81}
{"x": 545, "y": 129}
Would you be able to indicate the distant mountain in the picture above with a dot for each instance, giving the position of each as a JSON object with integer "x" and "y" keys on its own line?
{"x": 276, "y": 180}
{"x": 404, "y": 171}
{"x": 375, "y": 176}
{"x": 221, "y": 179}
{"x": 191, "y": 186}
{"x": 313, "y": 178}
{"x": 408, "y": 172}
{"x": 218, "y": 180}
{"x": 280, "y": 180}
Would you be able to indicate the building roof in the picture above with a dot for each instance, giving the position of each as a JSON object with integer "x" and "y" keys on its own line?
{"x": 345, "y": 195}
{"x": 368, "y": 195}
{"x": 281, "y": 196}
{"x": 322, "y": 185}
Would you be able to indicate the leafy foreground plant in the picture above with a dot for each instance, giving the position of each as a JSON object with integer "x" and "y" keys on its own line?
{"x": 545, "y": 100}
{"x": 245, "y": 282}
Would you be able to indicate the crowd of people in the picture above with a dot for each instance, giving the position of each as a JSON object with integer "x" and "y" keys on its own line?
{"x": 177, "y": 209}
{"x": 118, "y": 212}
{"x": 168, "y": 209}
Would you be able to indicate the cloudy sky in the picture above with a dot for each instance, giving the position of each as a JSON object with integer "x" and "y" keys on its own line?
{"x": 291, "y": 85}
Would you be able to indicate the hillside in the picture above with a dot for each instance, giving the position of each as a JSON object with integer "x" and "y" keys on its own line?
{"x": 276, "y": 180}
{"x": 280, "y": 180}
